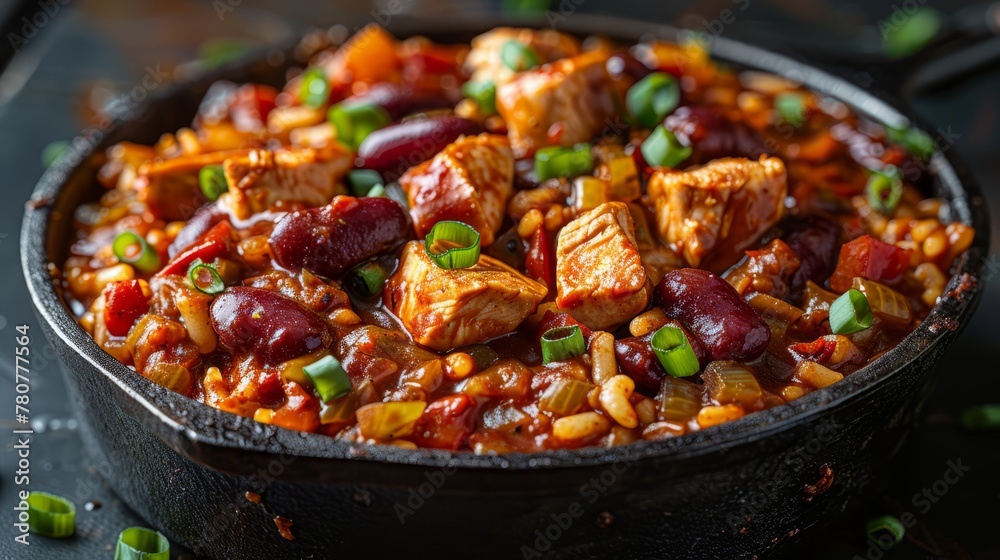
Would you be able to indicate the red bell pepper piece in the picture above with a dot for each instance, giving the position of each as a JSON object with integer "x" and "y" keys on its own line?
{"x": 869, "y": 258}
{"x": 212, "y": 245}
{"x": 446, "y": 422}
{"x": 124, "y": 304}
{"x": 540, "y": 261}
{"x": 250, "y": 104}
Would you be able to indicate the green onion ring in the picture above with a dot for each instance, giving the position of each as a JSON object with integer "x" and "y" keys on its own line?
{"x": 562, "y": 343}
{"x": 139, "y": 543}
{"x": 329, "y": 378}
{"x": 463, "y": 256}
{"x": 888, "y": 524}
{"x": 50, "y": 515}
{"x": 674, "y": 352}
{"x": 146, "y": 259}
{"x": 195, "y": 275}
{"x": 850, "y": 313}
{"x": 212, "y": 180}
{"x": 884, "y": 189}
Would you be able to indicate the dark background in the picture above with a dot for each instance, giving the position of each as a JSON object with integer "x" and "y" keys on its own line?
{"x": 91, "y": 50}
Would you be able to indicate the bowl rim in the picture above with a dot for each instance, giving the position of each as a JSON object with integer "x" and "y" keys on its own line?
{"x": 195, "y": 429}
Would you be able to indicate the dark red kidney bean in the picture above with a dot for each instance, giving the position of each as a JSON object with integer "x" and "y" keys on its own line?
{"x": 267, "y": 324}
{"x": 712, "y": 136}
{"x": 816, "y": 241}
{"x": 199, "y": 224}
{"x": 636, "y": 356}
{"x": 394, "y": 149}
{"x": 329, "y": 240}
{"x": 398, "y": 100}
{"x": 624, "y": 65}
{"x": 713, "y": 313}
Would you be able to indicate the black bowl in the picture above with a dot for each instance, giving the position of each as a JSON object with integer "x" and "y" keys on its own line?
{"x": 749, "y": 487}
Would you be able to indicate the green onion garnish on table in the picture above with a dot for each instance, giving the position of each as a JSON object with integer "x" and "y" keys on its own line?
{"x": 314, "y": 90}
{"x": 212, "y": 180}
{"x": 463, "y": 235}
{"x": 562, "y": 343}
{"x": 205, "y": 278}
{"x": 885, "y": 524}
{"x": 484, "y": 94}
{"x": 653, "y": 98}
{"x": 558, "y": 161}
{"x": 329, "y": 378}
{"x": 663, "y": 149}
{"x": 674, "y": 352}
{"x": 517, "y": 56}
{"x": 913, "y": 32}
{"x": 363, "y": 180}
{"x": 884, "y": 189}
{"x": 982, "y": 418}
{"x": 850, "y": 313}
{"x": 50, "y": 515}
{"x": 139, "y": 543}
{"x": 355, "y": 121}
{"x": 132, "y": 248}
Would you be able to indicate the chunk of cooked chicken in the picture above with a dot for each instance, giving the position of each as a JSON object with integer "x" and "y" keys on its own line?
{"x": 469, "y": 181}
{"x": 600, "y": 278}
{"x": 170, "y": 188}
{"x": 261, "y": 178}
{"x": 561, "y": 103}
{"x": 486, "y": 65}
{"x": 711, "y": 214}
{"x": 446, "y": 308}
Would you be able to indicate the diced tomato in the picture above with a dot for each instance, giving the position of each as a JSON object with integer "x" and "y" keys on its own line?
{"x": 124, "y": 304}
{"x": 250, "y": 104}
{"x": 212, "y": 245}
{"x": 269, "y": 389}
{"x": 300, "y": 411}
{"x": 869, "y": 258}
{"x": 818, "y": 351}
{"x": 540, "y": 261}
{"x": 446, "y": 423}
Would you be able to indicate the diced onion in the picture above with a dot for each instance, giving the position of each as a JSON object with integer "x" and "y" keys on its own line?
{"x": 729, "y": 382}
{"x": 564, "y": 396}
{"x": 887, "y": 304}
{"x": 389, "y": 420}
{"x": 679, "y": 400}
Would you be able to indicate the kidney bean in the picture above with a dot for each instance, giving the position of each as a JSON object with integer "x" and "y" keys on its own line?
{"x": 202, "y": 221}
{"x": 540, "y": 262}
{"x": 329, "y": 240}
{"x": 714, "y": 313}
{"x": 394, "y": 149}
{"x": 398, "y": 100}
{"x": 267, "y": 324}
{"x": 637, "y": 359}
{"x": 446, "y": 422}
{"x": 624, "y": 65}
{"x": 712, "y": 136}
{"x": 815, "y": 240}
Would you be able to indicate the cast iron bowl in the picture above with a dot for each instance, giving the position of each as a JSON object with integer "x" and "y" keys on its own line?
{"x": 749, "y": 487}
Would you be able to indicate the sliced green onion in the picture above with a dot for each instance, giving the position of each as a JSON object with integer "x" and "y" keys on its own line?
{"x": 52, "y": 151}
{"x": 982, "y": 418}
{"x": 557, "y": 161}
{"x": 791, "y": 107}
{"x": 913, "y": 33}
{"x": 466, "y": 254}
{"x": 213, "y": 181}
{"x": 884, "y": 189}
{"x": 524, "y": 8}
{"x": 653, "y": 98}
{"x": 915, "y": 141}
{"x": 562, "y": 343}
{"x": 886, "y": 523}
{"x": 484, "y": 94}
{"x": 139, "y": 543}
{"x": 50, "y": 515}
{"x": 850, "y": 313}
{"x": 371, "y": 276}
{"x": 517, "y": 56}
{"x": 376, "y": 191}
{"x": 132, "y": 248}
{"x": 355, "y": 121}
{"x": 329, "y": 378}
{"x": 362, "y": 181}
{"x": 314, "y": 90}
{"x": 663, "y": 149}
{"x": 674, "y": 352}
{"x": 206, "y": 278}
